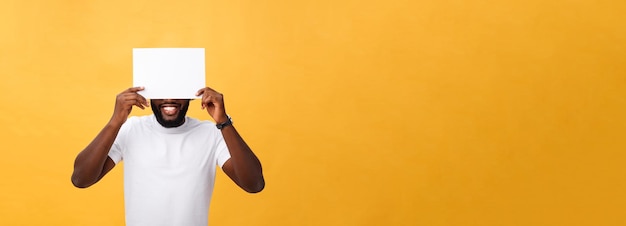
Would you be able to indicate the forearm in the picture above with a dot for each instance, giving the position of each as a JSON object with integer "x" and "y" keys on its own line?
{"x": 89, "y": 163}
{"x": 246, "y": 166}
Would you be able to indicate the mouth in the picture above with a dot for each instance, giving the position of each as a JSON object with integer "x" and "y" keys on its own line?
{"x": 170, "y": 109}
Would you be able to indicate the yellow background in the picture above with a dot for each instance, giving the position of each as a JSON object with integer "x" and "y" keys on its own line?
{"x": 396, "y": 112}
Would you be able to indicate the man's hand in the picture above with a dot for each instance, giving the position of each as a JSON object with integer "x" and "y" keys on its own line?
{"x": 213, "y": 102}
{"x": 124, "y": 104}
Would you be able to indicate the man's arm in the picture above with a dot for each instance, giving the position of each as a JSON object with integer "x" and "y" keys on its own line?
{"x": 243, "y": 167}
{"x": 93, "y": 162}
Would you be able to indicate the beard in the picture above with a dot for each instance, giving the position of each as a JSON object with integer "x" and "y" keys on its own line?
{"x": 178, "y": 121}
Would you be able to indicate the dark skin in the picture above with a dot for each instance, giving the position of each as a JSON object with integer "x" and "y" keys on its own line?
{"x": 91, "y": 164}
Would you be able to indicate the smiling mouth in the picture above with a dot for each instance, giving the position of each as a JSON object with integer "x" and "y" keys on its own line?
{"x": 170, "y": 109}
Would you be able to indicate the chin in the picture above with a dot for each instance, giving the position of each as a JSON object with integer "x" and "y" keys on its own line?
{"x": 169, "y": 118}
{"x": 169, "y": 121}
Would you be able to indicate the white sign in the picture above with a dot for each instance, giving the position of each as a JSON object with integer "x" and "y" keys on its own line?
{"x": 169, "y": 73}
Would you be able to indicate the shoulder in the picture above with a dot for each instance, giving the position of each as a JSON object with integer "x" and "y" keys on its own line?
{"x": 204, "y": 125}
{"x": 194, "y": 122}
{"x": 135, "y": 122}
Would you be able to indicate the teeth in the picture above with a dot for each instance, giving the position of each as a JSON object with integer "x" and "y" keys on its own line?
{"x": 169, "y": 110}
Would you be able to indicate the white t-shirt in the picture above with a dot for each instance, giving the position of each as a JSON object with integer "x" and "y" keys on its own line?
{"x": 169, "y": 173}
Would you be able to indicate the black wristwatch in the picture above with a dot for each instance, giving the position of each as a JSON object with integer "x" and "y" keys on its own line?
{"x": 225, "y": 124}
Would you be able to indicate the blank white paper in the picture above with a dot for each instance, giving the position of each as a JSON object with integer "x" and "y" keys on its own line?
{"x": 169, "y": 73}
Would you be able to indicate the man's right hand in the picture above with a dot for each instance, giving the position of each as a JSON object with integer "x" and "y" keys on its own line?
{"x": 124, "y": 104}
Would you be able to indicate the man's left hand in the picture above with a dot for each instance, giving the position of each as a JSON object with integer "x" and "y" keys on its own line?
{"x": 213, "y": 102}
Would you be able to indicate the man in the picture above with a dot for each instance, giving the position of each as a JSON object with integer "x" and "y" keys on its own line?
{"x": 169, "y": 158}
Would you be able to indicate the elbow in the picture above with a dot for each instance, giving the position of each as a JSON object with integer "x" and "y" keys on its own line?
{"x": 255, "y": 187}
{"x": 77, "y": 182}
{"x": 79, "y": 185}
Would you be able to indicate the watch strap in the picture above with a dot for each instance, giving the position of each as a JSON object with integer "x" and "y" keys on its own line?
{"x": 224, "y": 124}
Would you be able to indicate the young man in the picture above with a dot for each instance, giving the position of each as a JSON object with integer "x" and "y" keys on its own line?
{"x": 169, "y": 158}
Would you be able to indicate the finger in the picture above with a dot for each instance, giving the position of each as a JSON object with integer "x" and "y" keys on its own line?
{"x": 205, "y": 101}
{"x": 135, "y": 99}
{"x": 138, "y": 104}
{"x": 211, "y": 89}
{"x": 133, "y": 96}
{"x": 200, "y": 92}
{"x": 135, "y": 89}
{"x": 216, "y": 98}
{"x": 143, "y": 100}
{"x": 129, "y": 96}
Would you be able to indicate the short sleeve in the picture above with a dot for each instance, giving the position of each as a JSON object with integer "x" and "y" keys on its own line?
{"x": 221, "y": 152}
{"x": 116, "y": 153}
